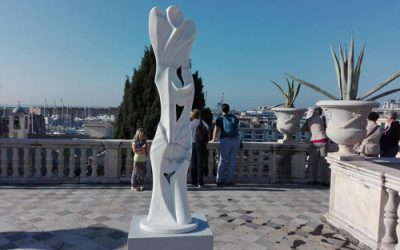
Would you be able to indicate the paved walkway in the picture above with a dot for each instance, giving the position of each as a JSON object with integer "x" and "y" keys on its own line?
{"x": 98, "y": 217}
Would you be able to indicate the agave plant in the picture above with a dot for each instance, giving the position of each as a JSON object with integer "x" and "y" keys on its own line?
{"x": 348, "y": 75}
{"x": 291, "y": 93}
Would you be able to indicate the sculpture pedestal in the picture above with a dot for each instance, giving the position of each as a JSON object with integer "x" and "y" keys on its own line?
{"x": 199, "y": 239}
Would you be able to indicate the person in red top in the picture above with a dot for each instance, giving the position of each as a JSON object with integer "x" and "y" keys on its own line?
{"x": 316, "y": 125}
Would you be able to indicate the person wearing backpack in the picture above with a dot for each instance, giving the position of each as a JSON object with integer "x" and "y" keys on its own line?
{"x": 200, "y": 137}
{"x": 227, "y": 128}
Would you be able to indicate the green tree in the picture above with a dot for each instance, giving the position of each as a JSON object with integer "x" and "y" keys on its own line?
{"x": 140, "y": 106}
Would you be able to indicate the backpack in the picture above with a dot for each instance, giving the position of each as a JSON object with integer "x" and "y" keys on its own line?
{"x": 201, "y": 134}
{"x": 230, "y": 126}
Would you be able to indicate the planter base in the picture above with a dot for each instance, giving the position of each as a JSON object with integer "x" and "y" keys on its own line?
{"x": 346, "y": 157}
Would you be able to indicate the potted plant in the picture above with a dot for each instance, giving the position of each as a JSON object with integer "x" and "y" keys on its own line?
{"x": 346, "y": 115}
{"x": 288, "y": 117}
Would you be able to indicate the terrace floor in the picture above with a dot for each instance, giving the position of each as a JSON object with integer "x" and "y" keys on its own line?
{"x": 98, "y": 217}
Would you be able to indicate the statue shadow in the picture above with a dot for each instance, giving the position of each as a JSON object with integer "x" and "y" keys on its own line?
{"x": 77, "y": 238}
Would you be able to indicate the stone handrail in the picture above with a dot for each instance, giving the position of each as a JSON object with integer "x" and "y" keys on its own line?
{"x": 364, "y": 201}
{"x": 105, "y": 161}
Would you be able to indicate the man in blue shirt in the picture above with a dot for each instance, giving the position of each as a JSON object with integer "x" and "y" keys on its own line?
{"x": 227, "y": 128}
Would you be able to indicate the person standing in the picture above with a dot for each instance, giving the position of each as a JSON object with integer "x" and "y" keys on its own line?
{"x": 140, "y": 149}
{"x": 227, "y": 128}
{"x": 200, "y": 137}
{"x": 370, "y": 145}
{"x": 391, "y": 136}
{"x": 316, "y": 125}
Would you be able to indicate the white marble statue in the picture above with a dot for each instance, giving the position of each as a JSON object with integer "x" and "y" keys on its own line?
{"x": 171, "y": 37}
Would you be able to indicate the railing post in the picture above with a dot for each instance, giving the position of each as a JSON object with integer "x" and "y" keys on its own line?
{"x": 71, "y": 162}
{"x": 128, "y": 162}
{"x": 38, "y": 162}
{"x": 15, "y": 162}
{"x": 49, "y": 162}
{"x": 94, "y": 162}
{"x": 83, "y": 161}
{"x": 398, "y": 224}
{"x": 27, "y": 162}
{"x": 61, "y": 164}
{"x": 4, "y": 162}
{"x": 210, "y": 162}
{"x": 111, "y": 163}
{"x": 390, "y": 219}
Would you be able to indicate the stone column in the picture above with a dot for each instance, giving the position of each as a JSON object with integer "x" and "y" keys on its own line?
{"x": 61, "y": 163}
{"x": 4, "y": 162}
{"x": 49, "y": 162}
{"x": 38, "y": 162}
{"x": 27, "y": 162}
{"x": 15, "y": 162}
{"x": 71, "y": 162}
{"x": 390, "y": 220}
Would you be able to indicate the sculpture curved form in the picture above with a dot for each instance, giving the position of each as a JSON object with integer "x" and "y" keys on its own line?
{"x": 171, "y": 37}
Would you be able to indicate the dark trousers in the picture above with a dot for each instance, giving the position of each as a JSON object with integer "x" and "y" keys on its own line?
{"x": 389, "y": 151}
{"x": 198, "y": 159}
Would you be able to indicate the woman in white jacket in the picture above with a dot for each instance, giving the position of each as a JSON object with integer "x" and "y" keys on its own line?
{"x": 370, "y": 145}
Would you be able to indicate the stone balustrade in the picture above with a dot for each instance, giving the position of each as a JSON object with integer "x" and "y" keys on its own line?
{"x": 110, "y": 161}
{"x": 364, "y": 201}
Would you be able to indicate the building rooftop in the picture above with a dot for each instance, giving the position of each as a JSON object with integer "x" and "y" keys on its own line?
{"x": 98, "y": 217}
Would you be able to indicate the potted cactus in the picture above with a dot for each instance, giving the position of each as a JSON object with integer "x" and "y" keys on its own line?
{"x": 347, "y": 115}
{"x": 288, "y": 117}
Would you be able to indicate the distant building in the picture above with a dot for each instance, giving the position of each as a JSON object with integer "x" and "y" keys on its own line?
{"x": 391, "y": 104}
{"x": 99, "y": 130}
{"x": 18, "y": 126}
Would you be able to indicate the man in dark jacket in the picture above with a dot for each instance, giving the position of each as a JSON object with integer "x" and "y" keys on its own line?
{"x": 391, "y": 136}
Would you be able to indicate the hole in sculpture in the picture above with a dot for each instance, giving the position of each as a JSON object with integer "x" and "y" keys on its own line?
{"x": 179, "y": 73}
{"x": 179, "y": 110}
{"x": 168, "y": 176}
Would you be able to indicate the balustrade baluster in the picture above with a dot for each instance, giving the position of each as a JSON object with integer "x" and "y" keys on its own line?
{"x": 38, "y": 162}
{"x": 240, "y": 162}
{"x": 27, "y": 162}
{"x": 128, "y": 162}
{"x": 83, "y": 161}
{"x": 71, "y": 162}
{"x": 398, "y": 223}
{"x": 4, "y": 162}
{"x": 390, "y": 218}
{"x": 94, "y": 162}
{"x": 210, "y": 162}
{"x": 49, "y": 162}
{"x": 61, "y": 164}
{"x": 15, "y": 162}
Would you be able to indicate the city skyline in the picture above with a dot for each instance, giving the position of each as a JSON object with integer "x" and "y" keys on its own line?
{"x": 80, "y": 51}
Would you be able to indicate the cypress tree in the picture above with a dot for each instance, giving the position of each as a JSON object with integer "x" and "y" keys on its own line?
{"x": 140, "y": 106}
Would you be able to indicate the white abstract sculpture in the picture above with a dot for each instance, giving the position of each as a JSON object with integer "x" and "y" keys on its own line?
{"x": 171, "y": 37}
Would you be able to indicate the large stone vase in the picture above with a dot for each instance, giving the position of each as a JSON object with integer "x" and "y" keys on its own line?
{"x": 346, "y": 124}
{"x": 288, "y": 122}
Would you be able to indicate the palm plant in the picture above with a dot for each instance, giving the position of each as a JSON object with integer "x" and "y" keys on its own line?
{"x": 291, "y": 93}
{"x": 348, "y": 75}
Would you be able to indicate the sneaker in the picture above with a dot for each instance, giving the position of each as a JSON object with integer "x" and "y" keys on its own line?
{"x": 220, "y": 184}
{"x": 134, "y": 189}
{"x": 141, "y": 188}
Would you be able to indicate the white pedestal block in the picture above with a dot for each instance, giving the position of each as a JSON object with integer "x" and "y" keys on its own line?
{"x": 199, "y": 239}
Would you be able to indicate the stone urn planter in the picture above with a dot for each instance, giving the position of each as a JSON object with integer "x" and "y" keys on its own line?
{"x": 288, "y": 122}
{"x": 346, "y": 124}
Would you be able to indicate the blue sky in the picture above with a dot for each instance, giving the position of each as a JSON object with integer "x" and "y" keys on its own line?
{"x": 81, "y": 50}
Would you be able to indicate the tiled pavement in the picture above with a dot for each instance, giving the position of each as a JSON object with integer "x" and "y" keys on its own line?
{"x": 98, "y": 217}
